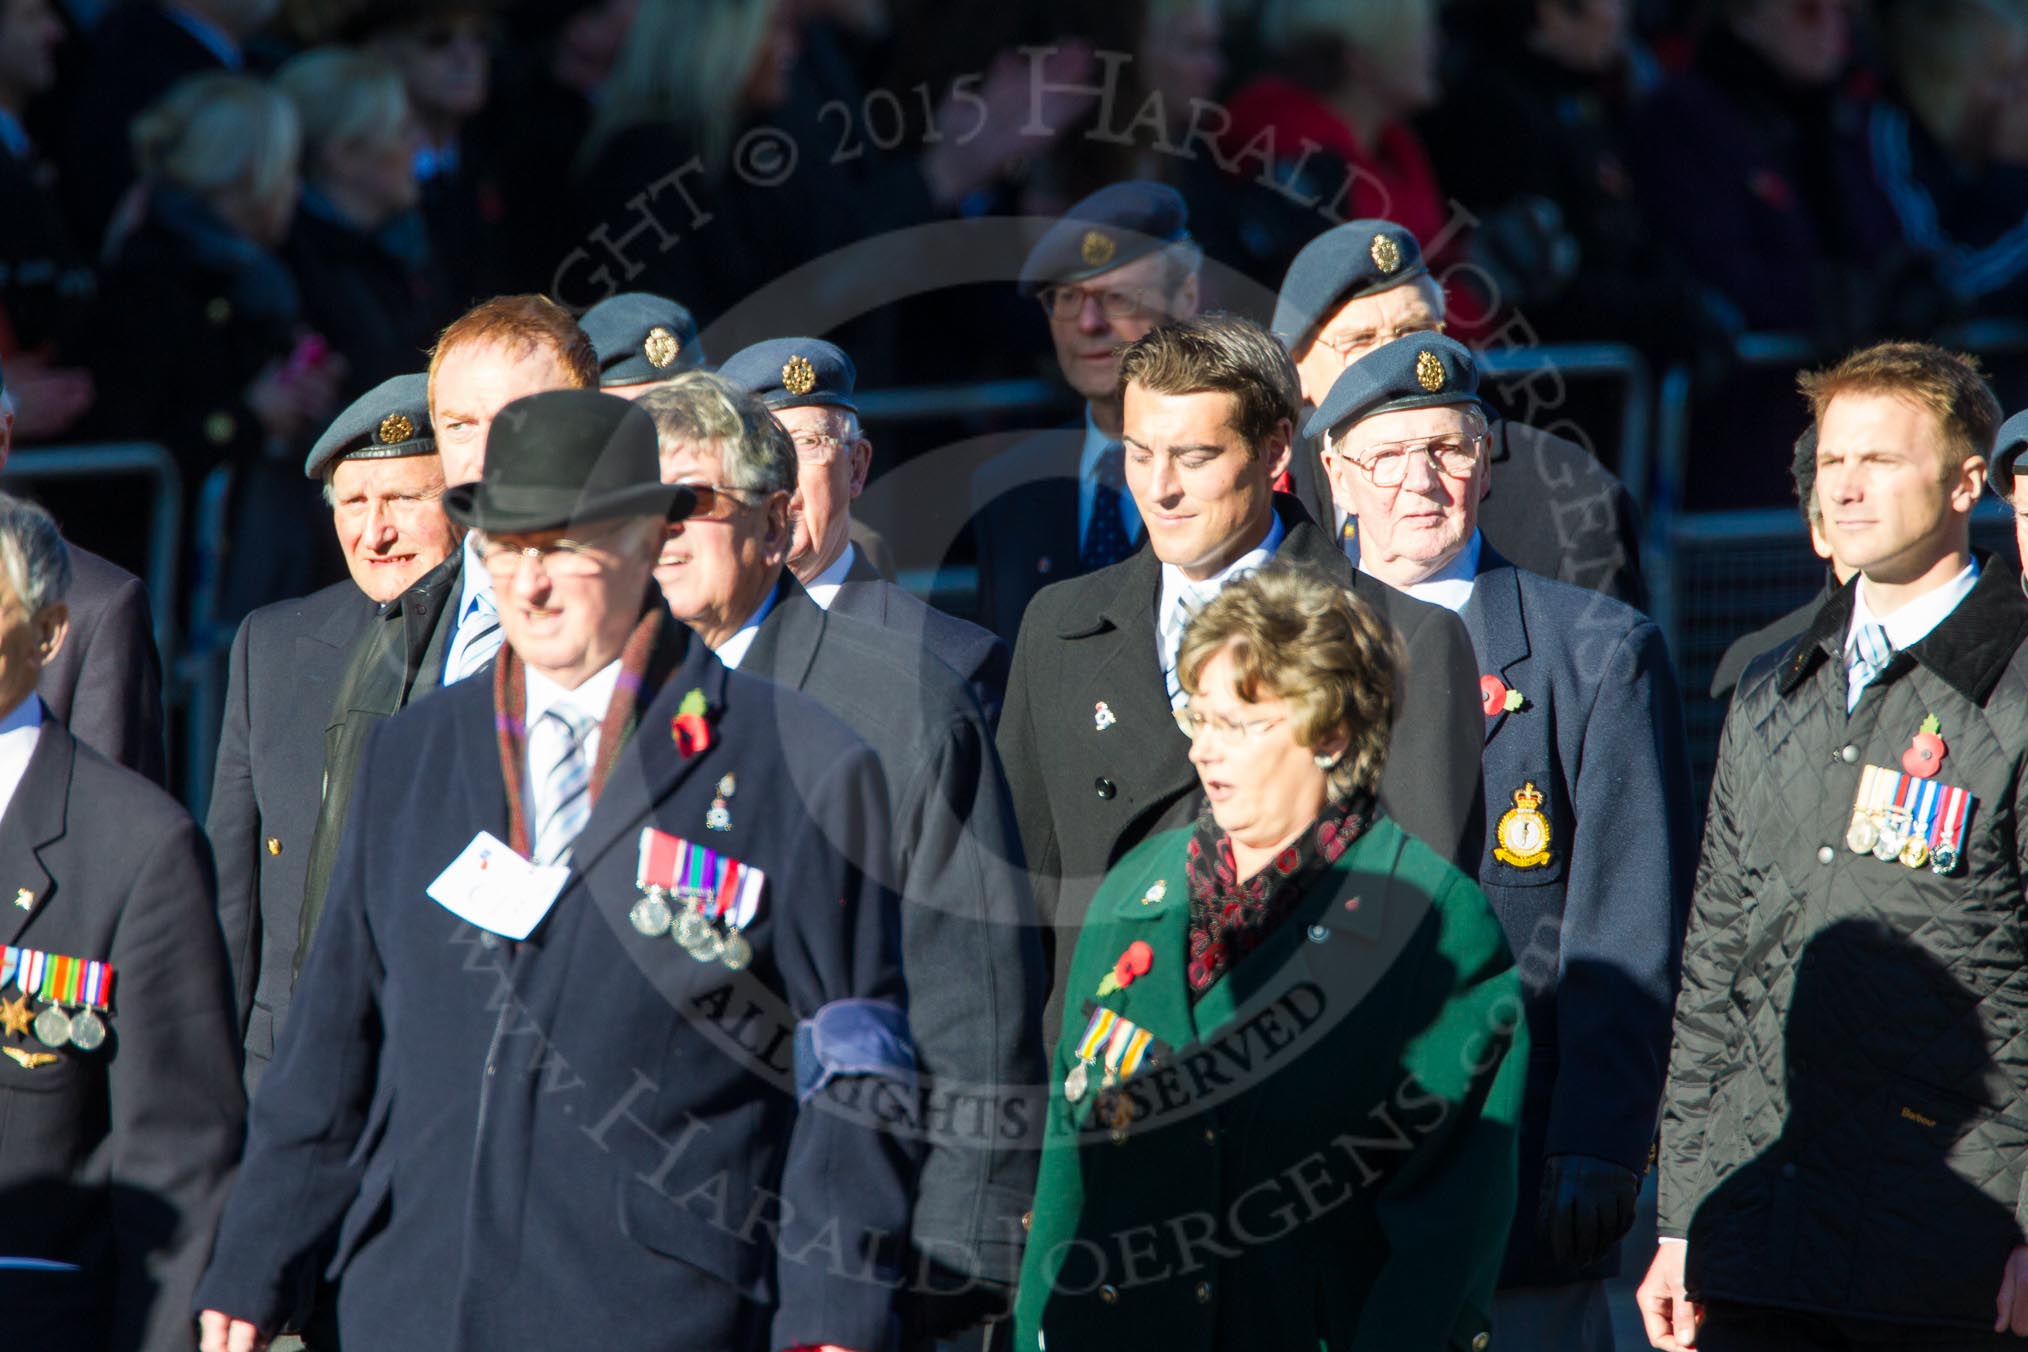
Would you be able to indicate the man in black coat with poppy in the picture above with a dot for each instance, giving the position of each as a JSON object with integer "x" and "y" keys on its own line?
{"x": 531, "y": 1117}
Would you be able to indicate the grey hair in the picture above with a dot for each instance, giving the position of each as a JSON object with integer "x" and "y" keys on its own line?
{"x": 754, "y": 450}
{"x": 33, "y": 552}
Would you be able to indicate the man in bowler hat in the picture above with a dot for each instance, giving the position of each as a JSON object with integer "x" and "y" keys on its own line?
{"x": 534, "y": 1110}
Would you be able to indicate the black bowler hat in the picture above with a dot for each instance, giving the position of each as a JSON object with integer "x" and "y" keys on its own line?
{"x": 391, "y": 419}
{"x": 2007, "y": 449}
{"x": 564, "y": 456}
{"x": 640, "y": 337}
{"x": 1344, "y": 263}
{"x": 791, "y": 372}
{"x": 1423, "y": 370}
{"x": 1109, "y": 229}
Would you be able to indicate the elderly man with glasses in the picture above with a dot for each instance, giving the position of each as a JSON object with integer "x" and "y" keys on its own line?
{"x": 808, "y": 385}
{"x": 569, "y": 1018}
{"x": 1589, "y": 821}
{"x": 1558, "y": 511}
{"x": 969, "y": 944}
{"x": 1055, "y": 505}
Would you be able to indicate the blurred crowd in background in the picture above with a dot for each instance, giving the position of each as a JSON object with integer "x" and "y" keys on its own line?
{"x": 220, "y": 220}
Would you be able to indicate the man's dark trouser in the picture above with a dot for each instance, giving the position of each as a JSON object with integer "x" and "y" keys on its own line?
{"x": 1758, "y": 1328}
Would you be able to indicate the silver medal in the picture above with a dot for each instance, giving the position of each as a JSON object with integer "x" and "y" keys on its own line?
{"x": 87, "y": 1031}
{"x": 1079, "y": 1080}
{"x": 52, "y": 1027}
{"x": 692, "y": 931}
{"x": 1943, "y": 859}
{"x": 738, "y": 952}
{"x": 651, "y": 915}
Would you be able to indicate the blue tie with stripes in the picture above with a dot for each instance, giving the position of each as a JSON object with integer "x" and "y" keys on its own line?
{"x": 563, "y": 793}
{"x": 1871, "y": 652}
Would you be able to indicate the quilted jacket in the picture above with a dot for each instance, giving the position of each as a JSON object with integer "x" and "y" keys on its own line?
{"x": 1846, "y": 1123}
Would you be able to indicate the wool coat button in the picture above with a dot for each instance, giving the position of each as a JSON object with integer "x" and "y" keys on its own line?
{"x": 1106, "y": 788}
{"x": 1109, "y": 1294}
{"x": 1481, "y": 1341}
{"x": 274, "y": 844}
{"x": 1318, "y": 934}
{"x": 1850, "y": 755}
{"x": 1027, "y": 1221}
{"x": 1204, "y": 1293}
{"x": 1825, "y": 854}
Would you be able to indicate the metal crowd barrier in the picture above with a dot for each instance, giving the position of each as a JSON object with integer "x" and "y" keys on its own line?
{"x": 138, "y": 459}
{"x": 1613, "y": 363}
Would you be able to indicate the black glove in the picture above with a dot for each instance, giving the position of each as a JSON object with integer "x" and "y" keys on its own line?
{"x": 1587, "y": 1205}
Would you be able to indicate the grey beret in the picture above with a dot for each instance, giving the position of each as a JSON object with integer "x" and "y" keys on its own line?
{"x": 1423, "y": 370}
{"x": 1355, "y": 259}
{"x": 391, "y": 419}
{"x": 641, "y": 337}
{"x": 792, "y": 372}
{"x": 1109, "y": 229}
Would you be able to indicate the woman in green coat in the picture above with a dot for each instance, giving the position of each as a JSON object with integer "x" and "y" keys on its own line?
{"x": 1284, "y": 1102}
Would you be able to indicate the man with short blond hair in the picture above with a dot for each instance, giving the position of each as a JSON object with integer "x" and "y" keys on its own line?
{"x": 1851, "y": 997}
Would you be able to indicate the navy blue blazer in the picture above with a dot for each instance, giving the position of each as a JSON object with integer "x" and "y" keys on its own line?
{"x": 1025, "y": 523}
{"x": 976, "y": 654}
{"x": 1597, "y": 928}
{"x": 587, "y": 1139}
{"x": 266, "y": 787}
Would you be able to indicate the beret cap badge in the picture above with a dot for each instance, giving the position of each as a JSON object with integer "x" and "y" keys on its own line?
{"x": 798, "y": 376}
{"x": 660, "y": 347}
{"x": 395, "y": 427}
{"x": 1386, "y": 253}
{"x": 1429, "y": 371}
{"x": 1098, "y": 248}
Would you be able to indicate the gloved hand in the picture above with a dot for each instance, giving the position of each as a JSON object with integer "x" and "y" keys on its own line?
{"x": 1587, "y": 1205}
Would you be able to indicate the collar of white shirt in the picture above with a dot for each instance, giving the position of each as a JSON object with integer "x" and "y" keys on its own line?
{"x": 824, "y": 587}
{"x": 1911, "y": 624}
{"x": 1175, "y": 585}
{"x": 733, "y": 651}
{"x": 477, "y": 581}
{"x": 1451, "y": 585}
{"x": 18, "y": 734}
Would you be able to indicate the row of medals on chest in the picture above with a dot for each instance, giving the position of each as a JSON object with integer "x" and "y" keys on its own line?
{"x": 54, "y": 1027}
{"x": 1889, "y": 834}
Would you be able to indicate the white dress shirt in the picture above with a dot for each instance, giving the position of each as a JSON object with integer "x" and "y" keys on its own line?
{"x": 1175, "y": 587}
{"x": 473, "y": 582}
{"x": 824, "y": 587}
{"x": 1449, "y": 586}
{"x": 19, "y": 732}
{"x": 1911, "y": 624}
{"x": 1096, "y": 443}
{"x": 733, "y": 650}
{"x": 590, "y": 699}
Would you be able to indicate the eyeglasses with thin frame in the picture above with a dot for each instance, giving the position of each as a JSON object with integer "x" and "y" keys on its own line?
{"x": 558, "y": 558}
{"x": 1351, "y": 345}
{"x": 1224, "y": 731}
{"x": 1455, "y": 457}
{"x": 819, "y": 448}
{"x": 1066, "y": 303}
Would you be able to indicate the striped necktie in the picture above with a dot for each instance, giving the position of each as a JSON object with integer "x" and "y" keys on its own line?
{"x": 1186, "y": 606}
{"x": 1871, "y": 652}
{"x": 477, "y": 640}
{"x": 563, "y": 780}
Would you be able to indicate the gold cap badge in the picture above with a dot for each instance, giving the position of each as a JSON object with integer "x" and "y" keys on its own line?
{"x": 395, "y": 427}
{"x": 660, "y": 347}
{"x": 1386, "y": 254}
{"x": 1098, "y": 248}
{"x": 798, "y": 376}
{"x": 1429, "y": 371}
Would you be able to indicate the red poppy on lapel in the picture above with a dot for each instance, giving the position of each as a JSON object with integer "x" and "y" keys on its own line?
{"x": 1926, "y": 750}
{"x": 690, "y": 728}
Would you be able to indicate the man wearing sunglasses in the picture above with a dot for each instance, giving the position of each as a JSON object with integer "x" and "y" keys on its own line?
{"x": 1589, "y": 821}
{"x": 969, "y": 943}
{"x": 1055, "y": 505}
{"x": 808, "y": 385}
{"x": 1558, "y": 511}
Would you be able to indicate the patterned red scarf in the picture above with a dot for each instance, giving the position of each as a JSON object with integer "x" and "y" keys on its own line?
{"x": 510, "y": 711}
{"x": 1230, "y": 917}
